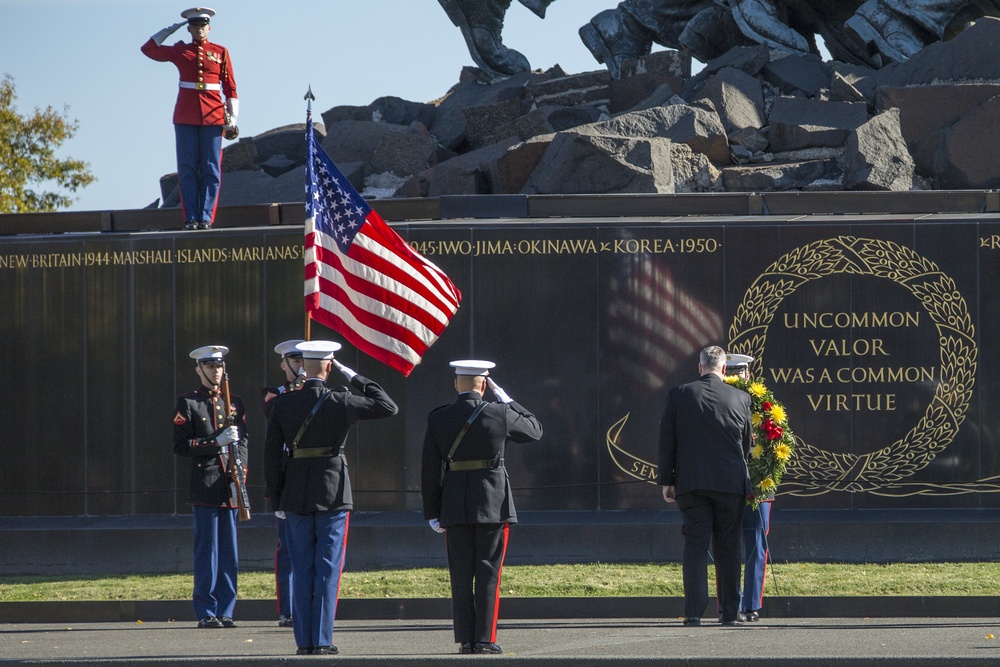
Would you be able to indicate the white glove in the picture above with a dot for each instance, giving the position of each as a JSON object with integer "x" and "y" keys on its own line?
{"x": 348, "y": 373}
{"x": 498, "y": 392}
{"x": 435, "y": 526}
{"x": 233, "y": 107}
{"x": 230, "y": 435}
{"x": 161, "y": 36}
{"x": 279, "y": 514}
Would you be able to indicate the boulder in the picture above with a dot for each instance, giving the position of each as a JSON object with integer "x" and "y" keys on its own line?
{"x": 876, "y": 157}
{"x": 738, "y": 99}
{"x": 803, "y": 123}
{"x": 578, "y": 163}
{"x": 794, "y": 72}
{"x": 967, "y": 156}
{"x": 808, "y": 175}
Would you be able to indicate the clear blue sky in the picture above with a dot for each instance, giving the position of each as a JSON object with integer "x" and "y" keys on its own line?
{"x": 85, "y": 55}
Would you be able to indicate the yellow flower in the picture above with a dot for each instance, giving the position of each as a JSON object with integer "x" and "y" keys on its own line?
{"x": 730, "y": 379}
{"x": 756, "y": 418}
{"x": 782, "y": 452}
{"x": 757, "y": 389}
{"x": 756, "y": 451}
{"x": 767, "y": 484}
{"x": 778, "y": 412}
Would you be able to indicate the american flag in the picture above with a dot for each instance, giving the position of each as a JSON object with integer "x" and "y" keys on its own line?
{"x": 361, "y": 278}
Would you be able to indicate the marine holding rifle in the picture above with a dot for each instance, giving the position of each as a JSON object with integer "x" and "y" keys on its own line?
{"x": 307, "y": 480}
{"x": 210, "y": 429}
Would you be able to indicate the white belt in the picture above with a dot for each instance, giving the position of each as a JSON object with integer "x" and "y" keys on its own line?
{"x": 200, "y": 86}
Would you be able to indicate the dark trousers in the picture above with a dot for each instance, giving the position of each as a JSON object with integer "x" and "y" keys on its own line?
{"x": 199, "y": 169}
{"x": 283, "y": 570}
{"x": 475, "y": 558}
{"x": 716, "y": 519}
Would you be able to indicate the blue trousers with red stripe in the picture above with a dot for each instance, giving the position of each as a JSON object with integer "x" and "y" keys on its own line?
{"x": 316, "y": 543}
{"x": 475, "y": 559}
{"x": 216, "y": 561}
{"x": 756, "y": 525}
{"x": 199, "y": 169}
{"x": 283, "y": 570}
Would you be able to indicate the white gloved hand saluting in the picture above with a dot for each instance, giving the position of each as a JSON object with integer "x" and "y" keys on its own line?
{"x": 435, "y": 526}
{"x": 498, "y": 391}
{"x": 348, "y": 373}
{"x": 161, "y": 36}
{"x": 228, "y": 436}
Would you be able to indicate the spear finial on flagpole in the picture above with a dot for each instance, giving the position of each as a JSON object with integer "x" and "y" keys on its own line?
{"x": 309, "y": 97}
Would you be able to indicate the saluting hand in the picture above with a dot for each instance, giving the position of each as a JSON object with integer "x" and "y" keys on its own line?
{"x": 497, "y": 391}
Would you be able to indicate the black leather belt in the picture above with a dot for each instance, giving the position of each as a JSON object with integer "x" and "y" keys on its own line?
{"x": 312, "y": 452}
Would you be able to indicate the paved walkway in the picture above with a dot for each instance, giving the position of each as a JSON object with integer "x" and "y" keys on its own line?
{"x": 882, "y": 642}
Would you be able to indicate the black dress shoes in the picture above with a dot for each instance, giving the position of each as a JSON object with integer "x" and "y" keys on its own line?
{"x": 325, "y": 650}
{"x": 205, "y": 224}
{"x": 210, "y": 622}
{"x": 693, "y": 621}
{"x": 740, "y": 618}
{"x": 487, "y": 648}
{"x": 227, "y": 622}
{"x": 285, "y": 622}
{"x": 304, "y": 650}
{"x": 466, "y": 648}
{"x": 753, "y": 616}
{"x": 191, "y": 224}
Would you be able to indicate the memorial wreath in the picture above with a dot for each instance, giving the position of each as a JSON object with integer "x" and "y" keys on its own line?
{"x": 773, "y": 446}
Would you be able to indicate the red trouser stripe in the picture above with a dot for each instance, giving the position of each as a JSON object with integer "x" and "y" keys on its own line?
{"x": 496, "y": 599}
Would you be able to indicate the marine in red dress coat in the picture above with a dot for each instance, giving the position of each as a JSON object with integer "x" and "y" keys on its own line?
{"x": 200, "y": 115}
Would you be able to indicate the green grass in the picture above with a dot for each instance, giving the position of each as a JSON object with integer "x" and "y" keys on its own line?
{"x": 593, "y": 580}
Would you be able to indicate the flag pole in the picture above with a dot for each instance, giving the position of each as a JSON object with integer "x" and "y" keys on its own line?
{"x": 309, "y": 97}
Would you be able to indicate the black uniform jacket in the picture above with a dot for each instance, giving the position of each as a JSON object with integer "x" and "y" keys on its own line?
{"x": 199, "y": 417}
{"x": 473, "y": 496}
{"x": 705, "y": 437}
{"x": 317, "y": 484}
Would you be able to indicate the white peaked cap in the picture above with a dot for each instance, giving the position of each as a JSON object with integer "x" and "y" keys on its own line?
{"x": 472, "y": 367}
{"x": 209, "y": 353}
{"x": 288, "y": 347}
{"x": 318, "y": 349}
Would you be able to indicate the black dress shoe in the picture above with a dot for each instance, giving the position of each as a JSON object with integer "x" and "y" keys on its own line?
{"x": 325, "y": 650}
{"x": 285, "y": 622}
{"x": 487, "y": 648}
{"x": 191, "y": 224}
{"x": 466, "y": 648}
{"x": 753, "y": 616}
{"x": 692, "y": 621}
{"x": 209, "y": 622}
{"x": 740, "y": 618}
{"x": 205, "y": 224}
{"x": 228, "y": 622}
{"x": 304, "y": 650}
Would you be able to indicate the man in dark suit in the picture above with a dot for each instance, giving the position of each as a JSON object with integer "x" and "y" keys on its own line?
{"x": 705, "y": 437}
{"x": 467, "y": 495}
{"x": 306, "y": 475}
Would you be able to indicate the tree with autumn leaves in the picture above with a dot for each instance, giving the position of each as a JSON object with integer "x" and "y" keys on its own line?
{"x": 28, "y": 163}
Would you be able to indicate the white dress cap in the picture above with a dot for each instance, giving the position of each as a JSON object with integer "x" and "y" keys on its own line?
{"x": 318, "y": 349}
{"x": 209, "y": 353}
{"x": 198, "y": 13}
{"x": 738, "y": 359}
{"x": 472, "y": 367}
{"x": 288, "y": 347}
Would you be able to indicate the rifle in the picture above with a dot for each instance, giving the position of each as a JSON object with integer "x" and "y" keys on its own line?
{"x": 234, "y": 465}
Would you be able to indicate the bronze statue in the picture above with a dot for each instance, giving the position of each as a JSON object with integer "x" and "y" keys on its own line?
{"x": 481, "y": 23}
{"x": 873, "y": 33}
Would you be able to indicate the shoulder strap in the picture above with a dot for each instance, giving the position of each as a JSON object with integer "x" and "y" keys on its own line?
{"x": 465, "y": 429}
{"x": 322, "y": 399}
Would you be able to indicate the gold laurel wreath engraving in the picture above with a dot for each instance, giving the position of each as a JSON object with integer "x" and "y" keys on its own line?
{"x": 814, "y": 470}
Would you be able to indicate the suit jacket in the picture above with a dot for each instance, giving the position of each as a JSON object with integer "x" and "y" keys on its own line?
{"x": 199, "y": 416}
{"x": 472, "y": 496}
{"x": 320, "y": 484}
{"x": 705, "y": 437}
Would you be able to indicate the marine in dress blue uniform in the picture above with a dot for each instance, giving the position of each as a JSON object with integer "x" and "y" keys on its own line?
{"x": 202, "y": 433}
{"x": 200, "y": 115}
{"x": 467, "y": 495}
{"x": 291, "y": 364}
{"x": 307, "y": 479}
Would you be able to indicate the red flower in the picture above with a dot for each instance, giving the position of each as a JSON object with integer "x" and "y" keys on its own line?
{"x": 766, "y": 405}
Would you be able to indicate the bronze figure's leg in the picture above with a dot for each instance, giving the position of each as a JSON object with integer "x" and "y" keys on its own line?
{"x": 614, "y": 37}
{"x": 481, "y": 22}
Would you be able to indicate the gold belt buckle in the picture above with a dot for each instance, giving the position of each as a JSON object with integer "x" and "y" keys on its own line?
{"x": 199, "y": 86}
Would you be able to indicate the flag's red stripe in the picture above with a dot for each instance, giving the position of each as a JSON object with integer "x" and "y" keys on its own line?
{"x": 328, "y": 319}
